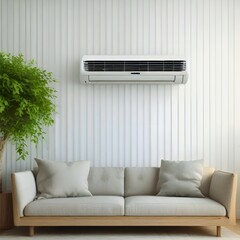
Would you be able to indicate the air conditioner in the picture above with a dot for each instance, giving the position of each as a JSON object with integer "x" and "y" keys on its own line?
{"x": 133, "y": 69}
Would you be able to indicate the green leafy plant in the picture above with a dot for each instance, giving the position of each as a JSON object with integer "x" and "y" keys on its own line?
{"x": 27, "y": 103}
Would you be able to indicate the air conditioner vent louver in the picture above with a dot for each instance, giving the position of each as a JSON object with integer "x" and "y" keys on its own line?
{"x": 131, "y": 66}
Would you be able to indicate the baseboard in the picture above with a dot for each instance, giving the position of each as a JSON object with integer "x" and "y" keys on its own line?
{"x": 6, "y": 211}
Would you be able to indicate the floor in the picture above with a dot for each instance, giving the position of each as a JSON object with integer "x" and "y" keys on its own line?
{"x": 236, "y": 228}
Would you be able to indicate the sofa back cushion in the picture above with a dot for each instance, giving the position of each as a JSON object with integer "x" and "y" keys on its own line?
{"x": 106, "y": 181}
{"x": 143, "y": 181}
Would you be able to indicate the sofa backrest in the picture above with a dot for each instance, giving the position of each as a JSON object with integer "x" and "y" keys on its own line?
{"x": 106, "y": 181}
{"x": 143, "y": 180}
{"x": 132, "y": 181}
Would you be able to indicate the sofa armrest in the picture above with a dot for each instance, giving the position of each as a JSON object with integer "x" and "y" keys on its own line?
{"x": 223, "y": 189}
{"x": 23, "y": 191}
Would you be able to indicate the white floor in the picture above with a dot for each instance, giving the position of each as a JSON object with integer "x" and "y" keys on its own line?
{"x": 120, "y": 233}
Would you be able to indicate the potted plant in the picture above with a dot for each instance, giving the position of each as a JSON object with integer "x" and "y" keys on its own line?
{"x": 27, "y": 103}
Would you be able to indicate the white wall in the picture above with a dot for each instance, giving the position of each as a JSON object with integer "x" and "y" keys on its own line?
{"x": 135, "y": 125}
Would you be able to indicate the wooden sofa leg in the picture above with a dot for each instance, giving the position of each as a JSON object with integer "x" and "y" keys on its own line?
{"x": 219, "y": 234}
{"x": 31, "y": 231}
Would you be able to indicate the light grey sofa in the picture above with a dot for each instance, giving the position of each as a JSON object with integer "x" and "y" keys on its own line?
{"x": 127, "y": 197}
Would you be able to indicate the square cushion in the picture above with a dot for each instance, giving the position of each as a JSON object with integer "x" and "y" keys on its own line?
{"x": 180, "y": 178}
{"x": 62, "y": 179}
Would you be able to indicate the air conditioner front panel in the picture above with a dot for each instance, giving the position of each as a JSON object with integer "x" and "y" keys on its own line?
{"x": 133, "y": 69}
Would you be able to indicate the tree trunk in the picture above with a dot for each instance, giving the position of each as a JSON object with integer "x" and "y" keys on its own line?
{"x": 3, "y": 142}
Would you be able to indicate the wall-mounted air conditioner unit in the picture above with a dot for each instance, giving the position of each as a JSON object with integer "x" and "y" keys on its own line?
{"x": 133, "y": 69}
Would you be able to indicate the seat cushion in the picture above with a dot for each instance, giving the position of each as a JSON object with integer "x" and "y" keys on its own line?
{"x": 172, "y": 206}
{"x": 78, "y": 206}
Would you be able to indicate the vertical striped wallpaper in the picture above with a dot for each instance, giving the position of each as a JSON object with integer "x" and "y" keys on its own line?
{"x": 133, "y": 125}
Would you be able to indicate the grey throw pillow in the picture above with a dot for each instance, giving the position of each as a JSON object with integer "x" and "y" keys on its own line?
{"x": 62, "y": 179}
{"x": 180, "y": 178}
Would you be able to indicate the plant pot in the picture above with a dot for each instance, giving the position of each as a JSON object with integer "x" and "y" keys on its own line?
{"x": 6, "y": 211}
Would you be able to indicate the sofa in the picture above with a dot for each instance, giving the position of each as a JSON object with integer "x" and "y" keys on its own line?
{"x": 126, "y": 197}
